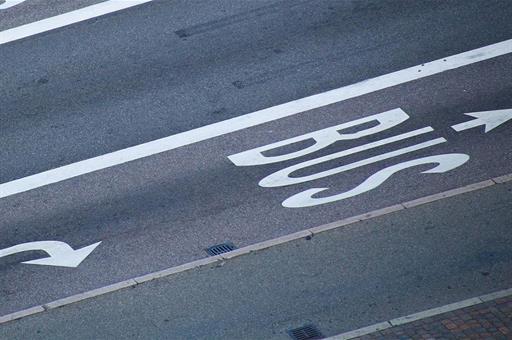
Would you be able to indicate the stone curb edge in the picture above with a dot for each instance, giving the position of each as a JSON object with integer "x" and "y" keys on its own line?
{"x": 260, "y": 246}
{"x": 422, "y": 315}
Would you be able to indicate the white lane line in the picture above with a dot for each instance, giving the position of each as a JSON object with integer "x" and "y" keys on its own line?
{"x": 255, "y": 118}
{"x": 66, "y": 19}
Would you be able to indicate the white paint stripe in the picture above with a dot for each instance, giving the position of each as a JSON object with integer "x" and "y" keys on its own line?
{"x": 66, "y": 19}
{"x": 255, "y": 118}
{"x": 244, "y": 251}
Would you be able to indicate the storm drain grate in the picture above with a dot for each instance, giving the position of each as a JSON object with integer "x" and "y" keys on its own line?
{"x": 220, "y": 249}
{"x": 308, "y": 332}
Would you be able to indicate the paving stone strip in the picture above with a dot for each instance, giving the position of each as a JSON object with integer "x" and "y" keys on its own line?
{"x": 488, "y": 320}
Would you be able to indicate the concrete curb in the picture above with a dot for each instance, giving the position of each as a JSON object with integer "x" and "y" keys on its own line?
{"x": 496, "y": 295}
{"x": 264, "y": 245}
{"x": 90, "y": 294}
{"x": 434, "y": 311}
{"x": 362, "y": 331}
{"x": 449, "y": 193}
{"x": 21, "y": 314}
{"x": 503, "y": 179}
{"x": 422, "y": 315}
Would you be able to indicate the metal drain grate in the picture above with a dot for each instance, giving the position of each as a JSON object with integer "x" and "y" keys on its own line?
{"x": 308, "y": 332}
{"x": 220, "y": 248}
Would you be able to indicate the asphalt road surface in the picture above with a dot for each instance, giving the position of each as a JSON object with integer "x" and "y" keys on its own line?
{"x": 167, "y": 67}
{"x": 337, "y": 280}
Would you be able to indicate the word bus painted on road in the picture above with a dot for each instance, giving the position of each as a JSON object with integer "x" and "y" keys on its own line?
{"x": 322, "y": 138}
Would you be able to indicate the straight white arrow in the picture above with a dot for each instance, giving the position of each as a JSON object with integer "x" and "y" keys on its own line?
{"x": 61, "y": 254}
{"x": 491, "y": 120}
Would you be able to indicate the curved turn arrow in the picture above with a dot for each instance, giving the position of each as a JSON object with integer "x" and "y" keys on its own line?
{"x": 491, "y": 120}
{"x": 61, "y": 254}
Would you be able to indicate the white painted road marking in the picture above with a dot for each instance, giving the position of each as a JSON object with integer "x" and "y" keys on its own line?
{"x": 444, "y": 163}
{"x": 347, "y": 222}
{"x": 254, "y": 118}
{"x": 282, "y": 177}
{"x": 322, "y": 139}
{"x": 491, "y": 120}
{"x": 10, "y": 3}
{"x": 61, "y": 254}
{"x": 67, "y": 19}
{"x": 325, "y": 137}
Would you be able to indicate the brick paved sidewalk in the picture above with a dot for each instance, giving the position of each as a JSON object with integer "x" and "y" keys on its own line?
{"x": 489, "y": 320}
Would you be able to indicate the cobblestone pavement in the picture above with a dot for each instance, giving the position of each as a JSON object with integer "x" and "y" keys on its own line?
{"x": 490, "y": 320}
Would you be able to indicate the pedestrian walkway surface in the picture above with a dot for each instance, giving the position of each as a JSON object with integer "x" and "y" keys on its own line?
{"x": 489, "y": 320}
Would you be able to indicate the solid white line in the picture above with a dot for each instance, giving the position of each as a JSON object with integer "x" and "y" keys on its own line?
{"x": 66, "y": 19}
{"x": 258, "y": 247}
{"x": 254, "y": 118}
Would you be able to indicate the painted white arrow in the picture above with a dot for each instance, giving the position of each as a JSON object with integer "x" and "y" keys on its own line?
{"x": 61, "y": 254}
{"x": 491, "y": 120}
